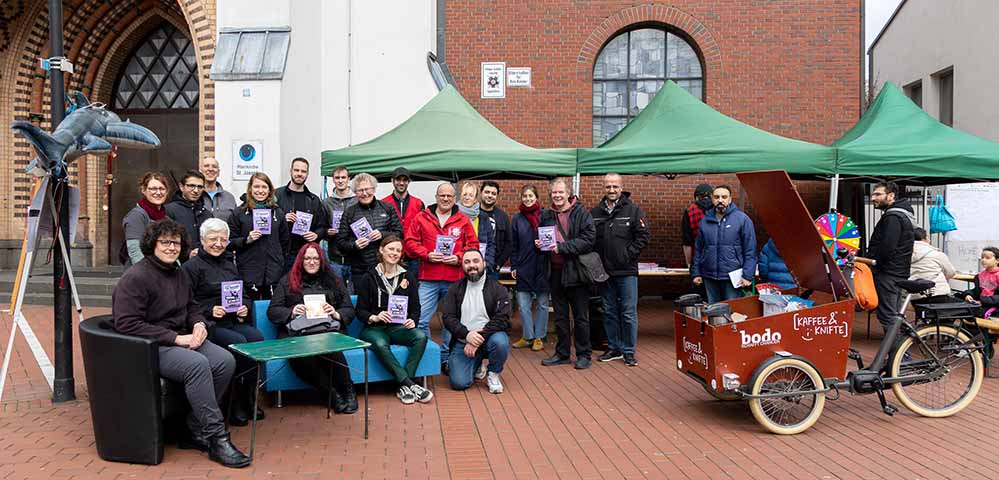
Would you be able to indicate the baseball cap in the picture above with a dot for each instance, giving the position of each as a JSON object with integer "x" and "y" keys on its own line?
{"x": 401, "y": 172}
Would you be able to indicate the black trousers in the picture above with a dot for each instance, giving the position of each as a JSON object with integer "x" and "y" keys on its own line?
{"x": 316, "y": 372}
{"x": 889, "y": 298}
{"x": 578, "y": 299}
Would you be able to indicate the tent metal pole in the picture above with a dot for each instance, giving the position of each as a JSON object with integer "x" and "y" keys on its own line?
{"x": 575, "y": 184}
{"x": 833, "y": 192}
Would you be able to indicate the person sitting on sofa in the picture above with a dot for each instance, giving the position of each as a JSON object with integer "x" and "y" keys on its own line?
{"x": 153, "y": 299}
{"x": 311, "y": 275}
{"x": 212, "y": 267}
{"x": 375, "y": 292}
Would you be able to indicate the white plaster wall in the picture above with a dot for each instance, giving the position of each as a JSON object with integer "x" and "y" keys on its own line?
{"x": 928, "y": 36}
{"x": 253, "y": 13}
{"x": 256, "y": 117}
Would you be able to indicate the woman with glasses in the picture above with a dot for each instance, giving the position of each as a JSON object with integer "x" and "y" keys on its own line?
{"x": 219, "y": 291}
{"x": 373, "y": 219}
{"x": 259, "y": 235}
{"x": 154, "y": 300}
{"x": 187, "y": 209}
{"x": 154, "y": 190}
{"x": 311, "y": 275}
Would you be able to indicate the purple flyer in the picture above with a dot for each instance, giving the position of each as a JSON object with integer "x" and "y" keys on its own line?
{"x": 262, "y": 220}
{"x": 444, "y": 245}
{"x": 361, "y": 228}
{"x": 337, "y": 214}
{"x": 232, "y": 295}
{"x": 398, "y": 308}
{"x": 547, "y": 237}
{"x": 303, "y": 221}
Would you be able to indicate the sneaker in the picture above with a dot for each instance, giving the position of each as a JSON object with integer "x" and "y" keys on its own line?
{"x": 610, "y": 355}
{"x": 523, "y": 342}
{"x": 406, "y": 395}
{"x": 630, "y": 360}
{"x": 538, "y": 345}
{"x": 422, "y": 395}
{"x": 555, "y": 360}
{"x": 446, "y": 369}
{"x": 582, "y": 363}
{"x": 481, "y": 373}
{"x": 493, "y": 380}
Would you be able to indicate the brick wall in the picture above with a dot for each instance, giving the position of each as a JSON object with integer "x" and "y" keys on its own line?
{"x": 787, "y": 66}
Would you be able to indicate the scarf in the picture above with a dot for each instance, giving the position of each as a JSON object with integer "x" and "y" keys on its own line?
{"x": 156, "y": 213}
{"x": 532, "y": 214}
{"x": 471, "y": 212}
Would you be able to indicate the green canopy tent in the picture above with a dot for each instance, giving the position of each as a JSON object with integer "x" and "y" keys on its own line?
{"x": 678, "y": 133}
{"x": 445, "y": 137}
{"x": 896, "y": 139}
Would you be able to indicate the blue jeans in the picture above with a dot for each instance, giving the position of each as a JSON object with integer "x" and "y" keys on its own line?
{"x": 621, "y": 313}
{"x": 343, "y": 271}
{"x": 719, "y": 290}
{"x": 413, "y": 265}
{"x": 536, "y": 325}
{"x": 496, "y": 349}
{"x": 431, "y": 293}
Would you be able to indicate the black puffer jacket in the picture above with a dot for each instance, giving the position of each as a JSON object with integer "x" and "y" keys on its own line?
{"x": 891, "y": 242}
{"x": 206, "y": 274}
{"x": 382, "y": 217}
{"x": 260, "y": 263}
{"x": 304, "y": 201}
{"x": 284, "y": 300}
{"x": 190, "y": 215}
{"x": 581, "y": 237}
{"x": 621, "y": 235}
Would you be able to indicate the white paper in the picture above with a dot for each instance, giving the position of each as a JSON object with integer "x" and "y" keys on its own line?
{"x": 314, "y": 306}
{"x": 736, "y": 277}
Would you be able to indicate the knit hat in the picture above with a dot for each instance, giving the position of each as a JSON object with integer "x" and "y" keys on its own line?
{"x": 702, "y": 189}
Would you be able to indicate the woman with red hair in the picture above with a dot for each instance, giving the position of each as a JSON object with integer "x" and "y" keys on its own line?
{"x": 311, "y": 275}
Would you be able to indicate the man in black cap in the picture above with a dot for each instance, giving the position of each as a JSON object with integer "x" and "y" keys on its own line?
{"x": 407, "y": 207}
{"x": 691, "y": 222}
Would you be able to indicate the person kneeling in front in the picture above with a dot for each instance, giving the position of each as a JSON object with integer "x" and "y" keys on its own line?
{"x": 154, "y": 300}
{"x": 477, "y": 313}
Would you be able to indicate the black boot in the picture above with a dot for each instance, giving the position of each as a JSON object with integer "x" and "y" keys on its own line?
{"x": 222, "y": 450}
{"x": 339, "y": 402}
{"x": 240, "y": 415}
{"x": 190, "y": 441}
{"x": 350, "y": 399}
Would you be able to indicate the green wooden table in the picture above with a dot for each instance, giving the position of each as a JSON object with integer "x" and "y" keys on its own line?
{"x": 298, "y": 347}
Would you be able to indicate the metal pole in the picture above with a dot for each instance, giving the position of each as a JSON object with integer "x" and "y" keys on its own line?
{"x": 63, "y": 388}
{"x": 834, "y": 193}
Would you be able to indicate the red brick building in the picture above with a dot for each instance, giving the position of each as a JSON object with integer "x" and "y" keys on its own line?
{"x": 786, "y": 66}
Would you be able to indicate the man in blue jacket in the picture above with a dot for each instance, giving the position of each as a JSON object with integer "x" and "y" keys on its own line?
{"x": 725, "y": 244}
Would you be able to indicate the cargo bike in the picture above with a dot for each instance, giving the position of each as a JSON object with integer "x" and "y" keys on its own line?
{"x": 787, "y": 363}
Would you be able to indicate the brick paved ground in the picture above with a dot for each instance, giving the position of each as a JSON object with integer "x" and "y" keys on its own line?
{"x": 608, "y": 422}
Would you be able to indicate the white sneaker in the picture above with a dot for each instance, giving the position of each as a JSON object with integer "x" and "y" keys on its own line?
{"x": 406, "y": 395}
{"x": 493, "y": 380}
{"x": 422, "y": 394}
{"x": 481, "y": 373}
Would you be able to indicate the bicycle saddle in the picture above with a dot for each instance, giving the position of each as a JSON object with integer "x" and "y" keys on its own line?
{"x": 916, "y": 286}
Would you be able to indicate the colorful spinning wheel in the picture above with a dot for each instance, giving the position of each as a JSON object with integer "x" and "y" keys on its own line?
{"x": 838, "y": 231}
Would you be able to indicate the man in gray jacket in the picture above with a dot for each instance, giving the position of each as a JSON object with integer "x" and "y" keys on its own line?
{"x": 339, "y": 200}
{"x": 216, "y": 200}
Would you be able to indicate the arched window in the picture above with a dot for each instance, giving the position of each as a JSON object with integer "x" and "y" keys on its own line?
{"x": 631, "y": 68}
{"x": 161, "y": 74}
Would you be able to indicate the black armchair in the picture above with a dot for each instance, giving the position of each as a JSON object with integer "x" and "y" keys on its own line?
{"x": 128, "y": 398}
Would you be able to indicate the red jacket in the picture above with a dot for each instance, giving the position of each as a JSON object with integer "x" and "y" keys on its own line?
{"x": 421, "y": 239}
{"x": 412, "y": 210}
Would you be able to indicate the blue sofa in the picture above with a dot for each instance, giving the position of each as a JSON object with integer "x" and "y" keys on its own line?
{"x": 280, "y": 376}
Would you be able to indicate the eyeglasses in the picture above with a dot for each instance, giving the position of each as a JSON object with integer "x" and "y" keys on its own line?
{"x": 364, "y": 190}
{"x": 169, "y": 243}
{"x": 312, "y": 259}
{"x": 156, "y": 189}
{"x": 194, "y": 187}
{"x": 213, "y": 241}
{"x": 442, "y": 195}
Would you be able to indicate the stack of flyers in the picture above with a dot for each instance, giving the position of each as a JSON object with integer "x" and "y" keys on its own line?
{"x": 361, "y": 228}
{"x": 303, "y": 221}
{"x": 445, "y": 245}
{"x": 335, "y": 221}
{"x": 547, "y": 237}
{"x": 232, "y": 295}
{"x": 314, "y": 306}
{"x": 398, "y": 308}
{"x": 262, "y": 220}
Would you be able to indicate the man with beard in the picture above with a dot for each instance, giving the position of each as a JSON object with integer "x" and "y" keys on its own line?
{"x": 407, "y": 207}
{"x": 725, "y": 247}
{"x": 339, "y": 200}
{"x": 477, "y": 313}
{"x": 501, "y": 225}
{"x": 891, "y": 248}
{"x": 295, "y": 198}
{"x": 187, "y": 208}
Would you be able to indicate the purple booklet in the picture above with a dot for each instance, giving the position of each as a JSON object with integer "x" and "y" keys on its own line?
{"x": 232, "y": 295}
{"x": 398, "y": 308}
{"x": 547, "y": 237}
{"x": 262, "y": 220}
{"x": 303, "y": 221}
{"x": 361, "y": 228}
{"x": 483, "y": 246}
{"x": 444, "y": 245}
{"x": 335, "y": 221}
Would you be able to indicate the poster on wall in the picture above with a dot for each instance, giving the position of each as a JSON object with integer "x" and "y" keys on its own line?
{"x": 493, "y": 80}
{"x": 518, "y": 77}
{"x": 247, "y": 158}
{"x": 964, "y": 246}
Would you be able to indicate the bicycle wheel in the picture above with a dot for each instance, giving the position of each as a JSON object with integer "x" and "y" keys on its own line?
{"x": 792, "y": 412}
{"x": 948, "y": 394}
{"x": 725, "y": 397}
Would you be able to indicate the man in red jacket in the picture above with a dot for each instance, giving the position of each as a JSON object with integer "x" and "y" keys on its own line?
{"x": 407, "y": 207}
{"x": 436, "y": 236}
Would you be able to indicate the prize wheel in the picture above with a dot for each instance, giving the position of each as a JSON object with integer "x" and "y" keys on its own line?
{"x": 838, "y": 231}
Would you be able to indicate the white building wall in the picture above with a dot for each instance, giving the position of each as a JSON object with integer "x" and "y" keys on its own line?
{"x": 355, "y": 70}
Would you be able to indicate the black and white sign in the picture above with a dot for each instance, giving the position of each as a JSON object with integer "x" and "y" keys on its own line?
{"x": 493, "y": 80}
{"x": 518, "y": 77}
